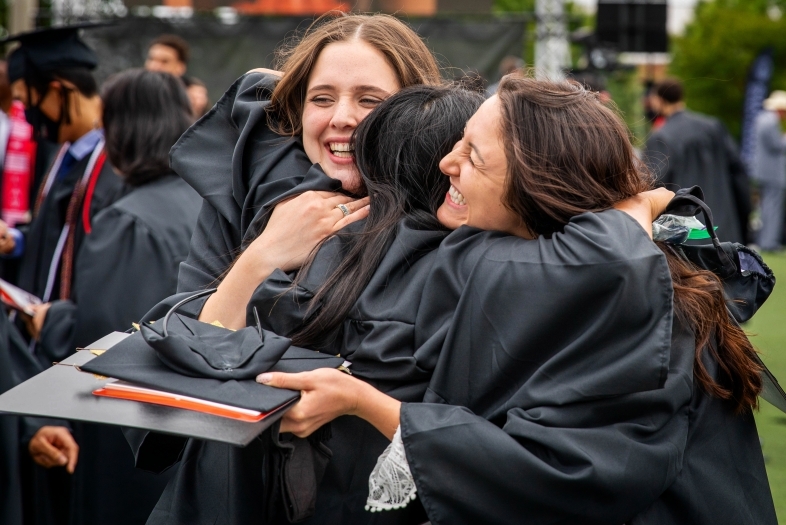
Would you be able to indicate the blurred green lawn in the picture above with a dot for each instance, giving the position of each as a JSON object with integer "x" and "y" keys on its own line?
{"x": 768, "y": 333}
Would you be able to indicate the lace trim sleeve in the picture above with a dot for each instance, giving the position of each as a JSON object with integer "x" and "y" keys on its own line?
{"x": 391, "y": 485}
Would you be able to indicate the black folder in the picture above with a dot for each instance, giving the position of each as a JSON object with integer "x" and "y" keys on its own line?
{"x": 65, "y": 391}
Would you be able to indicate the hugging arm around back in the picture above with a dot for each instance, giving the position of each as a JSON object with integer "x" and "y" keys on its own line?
{"x": 557, "y": 396}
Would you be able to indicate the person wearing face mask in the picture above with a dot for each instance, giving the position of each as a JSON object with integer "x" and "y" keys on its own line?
{"x": 50, "y": 73}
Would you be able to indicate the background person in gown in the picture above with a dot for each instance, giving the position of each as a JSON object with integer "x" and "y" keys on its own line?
{"x": 128, "y": 263}
{"x": 769, "y": 169}
{"x": 692, "y": 149}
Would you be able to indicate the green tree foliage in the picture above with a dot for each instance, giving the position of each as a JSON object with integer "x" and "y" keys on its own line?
{"x": 714, "y": 55}
{"x": 514, "y": 6}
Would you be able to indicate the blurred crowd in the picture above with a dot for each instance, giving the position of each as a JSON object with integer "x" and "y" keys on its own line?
{"x": 90, "y": 208}
{"x": 91, "y": 214}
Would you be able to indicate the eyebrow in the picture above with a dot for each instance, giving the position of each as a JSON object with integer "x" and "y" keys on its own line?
{"x": 475, "y": 148}
{"x": 373, "y": 89}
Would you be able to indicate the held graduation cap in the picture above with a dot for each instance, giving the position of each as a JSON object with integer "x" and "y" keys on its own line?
{"x": 50, "y": 48}
{"x": 184, "y": 356}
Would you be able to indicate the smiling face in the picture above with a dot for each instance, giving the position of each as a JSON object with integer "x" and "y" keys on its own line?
{"x": 478, "y": 168}
{"x": 349, "y": 80}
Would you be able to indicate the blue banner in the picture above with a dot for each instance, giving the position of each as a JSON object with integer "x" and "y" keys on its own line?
{"x": 756, "y": 91}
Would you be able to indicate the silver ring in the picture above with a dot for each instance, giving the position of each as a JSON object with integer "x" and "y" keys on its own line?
{"x": 343, "y": 209}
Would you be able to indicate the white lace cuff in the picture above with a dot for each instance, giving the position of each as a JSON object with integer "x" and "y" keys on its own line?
{"x": 391, "y": 485}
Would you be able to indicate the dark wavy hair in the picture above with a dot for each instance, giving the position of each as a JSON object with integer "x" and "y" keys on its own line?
{"x": 145, "y": 112}
{"x": 398, "y": 149}
{"x": 568, "y": 154}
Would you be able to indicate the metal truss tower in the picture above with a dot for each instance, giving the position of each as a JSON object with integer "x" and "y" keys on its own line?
{"x": 552, "y": 52}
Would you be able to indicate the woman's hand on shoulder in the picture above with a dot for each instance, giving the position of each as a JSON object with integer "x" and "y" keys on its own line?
{"x": 299, "y": 224}
{"x": 646, "y": 206}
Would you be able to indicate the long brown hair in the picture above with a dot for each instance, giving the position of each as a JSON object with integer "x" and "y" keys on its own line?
{"x": 567, "y": 154}
{"x": 404, "y": 50}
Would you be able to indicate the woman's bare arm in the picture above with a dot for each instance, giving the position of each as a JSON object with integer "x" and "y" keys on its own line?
{"x": 295, "y": 228}
{"x": 646, "y": 206}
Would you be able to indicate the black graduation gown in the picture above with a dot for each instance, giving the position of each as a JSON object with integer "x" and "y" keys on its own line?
{"x": 46, "y": 491}
{"x": 695, "y": 150}
{"x": 392, "y": 339}
{"x": 381, "y": 347}
{"x": 11, "y": 346}
{"x": 127, "y": 264}
{"x": 45, "y": 229}
{"x": 562, "y": 396}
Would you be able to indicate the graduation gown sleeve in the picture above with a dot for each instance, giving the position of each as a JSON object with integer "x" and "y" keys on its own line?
{"x": 556, "y": 399}
{"x": 11, "y": 496}
{"x": 127, "y": 264}
{"x": 723, "y": 478}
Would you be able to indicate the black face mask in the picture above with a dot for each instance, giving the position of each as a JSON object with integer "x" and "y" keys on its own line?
{"x": 44, "y": 128}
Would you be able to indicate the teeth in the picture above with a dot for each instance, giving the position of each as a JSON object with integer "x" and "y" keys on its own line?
{"x": 456, "y": 196}
{"x": 341, "y": 149}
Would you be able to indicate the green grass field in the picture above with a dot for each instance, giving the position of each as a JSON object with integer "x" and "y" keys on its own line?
{"x": 768, "y": 333}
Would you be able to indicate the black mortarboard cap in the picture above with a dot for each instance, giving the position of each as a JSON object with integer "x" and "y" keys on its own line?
{"x": 50, "y": 48}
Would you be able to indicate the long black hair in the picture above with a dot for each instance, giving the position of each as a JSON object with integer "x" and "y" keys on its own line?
{"x": 397, "y": 151}
{"x": 145, "y": 112}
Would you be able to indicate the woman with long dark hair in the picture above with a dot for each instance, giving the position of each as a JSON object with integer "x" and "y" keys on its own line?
{"x": 587, "y": 376}
{"x": 127, "y": 263}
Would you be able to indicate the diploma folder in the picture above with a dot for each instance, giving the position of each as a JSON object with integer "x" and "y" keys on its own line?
{"x": 17, "y": 298}
{"x": 65, "y": 391}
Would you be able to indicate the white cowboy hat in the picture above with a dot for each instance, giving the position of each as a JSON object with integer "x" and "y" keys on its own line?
{"x": 777, "y": 101}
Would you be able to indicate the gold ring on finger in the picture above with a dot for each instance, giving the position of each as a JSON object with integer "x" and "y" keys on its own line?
{"x": 344, "y": 209}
